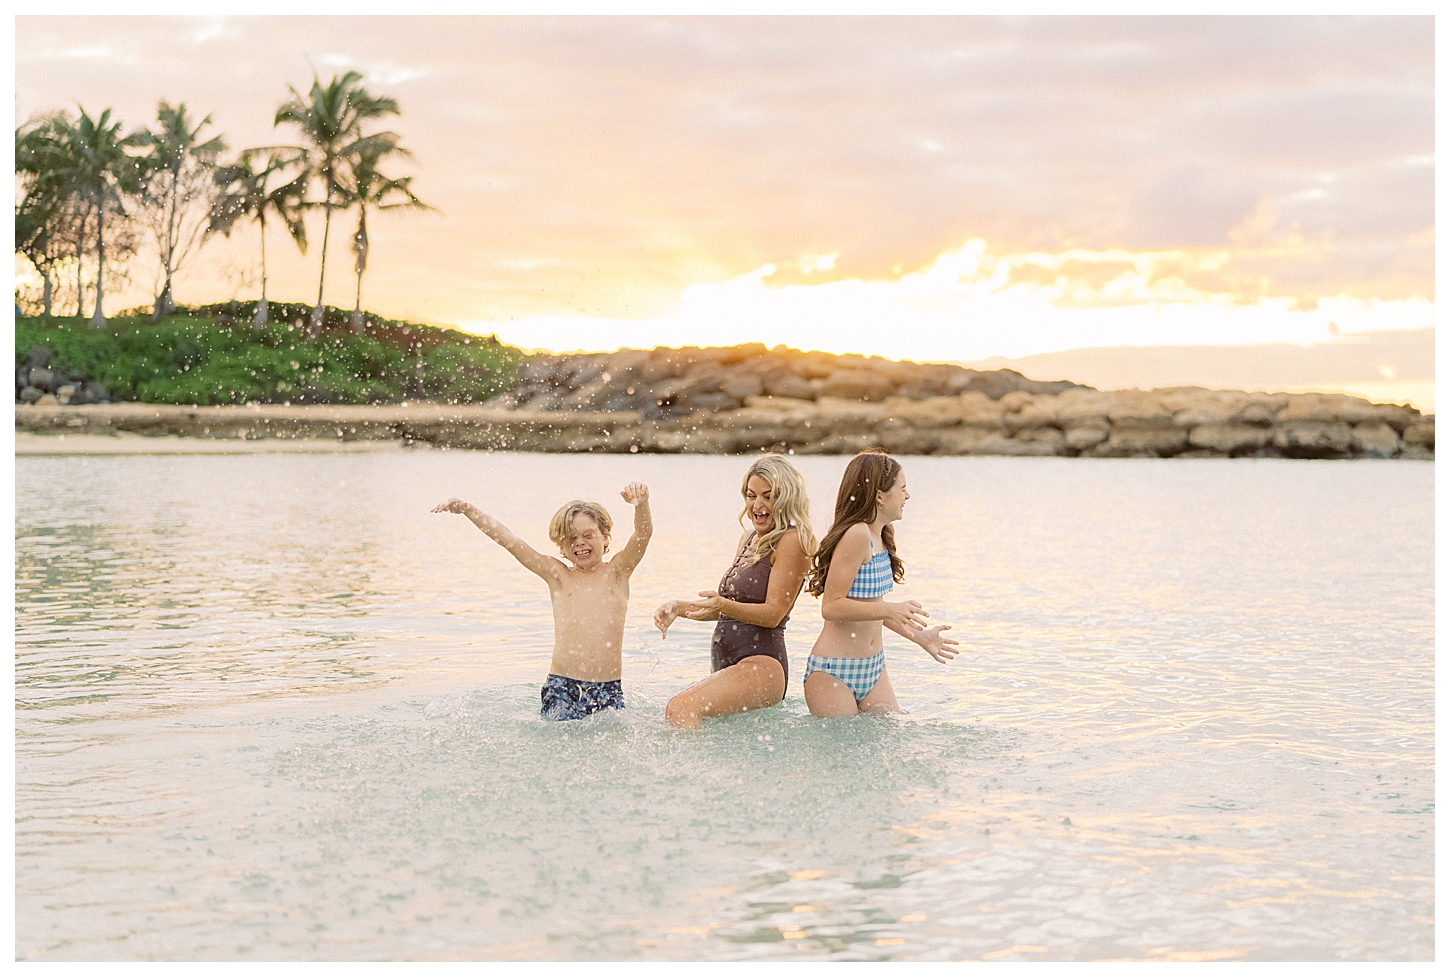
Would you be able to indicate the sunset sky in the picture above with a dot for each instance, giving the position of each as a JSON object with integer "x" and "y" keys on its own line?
{"x": 916, "y": 187}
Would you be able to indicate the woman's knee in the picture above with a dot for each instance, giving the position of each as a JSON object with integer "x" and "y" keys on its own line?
{"x": 676, "y": 709}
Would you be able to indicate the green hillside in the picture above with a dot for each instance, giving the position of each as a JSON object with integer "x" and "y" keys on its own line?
{"x": 213, "y": 355}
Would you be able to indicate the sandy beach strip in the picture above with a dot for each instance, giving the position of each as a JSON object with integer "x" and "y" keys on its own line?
{"x": 125, "y": 443}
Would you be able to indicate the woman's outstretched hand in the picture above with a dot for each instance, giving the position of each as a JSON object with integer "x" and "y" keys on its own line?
{"x": 713, "y": 603}
{"x": 665, "y": 615}
{"x": 670, "y": 610}
{"x": 453, "y": 505}
{"x": 935, "y": 645}
{"x": 906, "y": 614}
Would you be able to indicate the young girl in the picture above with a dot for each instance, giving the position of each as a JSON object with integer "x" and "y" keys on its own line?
{"x": 852, "y": 573}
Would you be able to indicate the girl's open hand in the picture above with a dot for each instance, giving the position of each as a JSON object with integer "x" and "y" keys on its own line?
{"x": 935, "y": 645}
{"x": 907, "y": 614}
{"x": 635, "y": 492}
{"x": 453, "y": 505}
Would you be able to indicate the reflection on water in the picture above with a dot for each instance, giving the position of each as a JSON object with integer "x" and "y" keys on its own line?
{"x": 271, "y": 708}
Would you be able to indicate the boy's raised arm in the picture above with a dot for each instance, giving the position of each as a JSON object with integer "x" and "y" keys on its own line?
{"x": 531, "y": 558}
{"x": 637, "y": 495}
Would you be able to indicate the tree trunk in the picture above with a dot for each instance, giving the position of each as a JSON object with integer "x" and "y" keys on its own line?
{"x": 80, "y": 270}
{"x": 360, "y": 244}
{"x": 259, "y": 320}
{"x": 45, "y": 295}
{"x": 357, "y": 316}
{"x": 158, "y": 308}
{"x": 98, "y": 321}
{"x": 314, "y": 327}
{"x": 80, "y": 265}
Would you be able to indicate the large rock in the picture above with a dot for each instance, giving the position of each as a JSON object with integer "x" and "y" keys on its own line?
{"x": 741, "y": 385}
{"x": 783, "y": 383}
{"x": 848, "y": 384}
{"x": 1313, "y": 439}
{"x": 836, "y": 414}
{"x": 976, "y": 409}
{"x": 45, "y": 379}
{"x": 929, "y": 413}
{"x": 903, "y": 438}
{"x": 1081, "y": 437}
{"x": 968, "y": 440}
{"x": 1139, "y": 409}
{"x": 1421, "y": 434}
{"x": 839, "y": 443}
{"x": 1022, "y": 411}
{"x": 1376, "y": 439}
{"x": 1343, "y": 409}
{"x": 1041, "y": 441}
{"x": 1138, "y": 442}
{"x": 1084, "y": 408}
{"x": 1229, "y": 439}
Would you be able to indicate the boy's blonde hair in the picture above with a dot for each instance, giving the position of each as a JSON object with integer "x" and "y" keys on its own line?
{"x": 561, "y": 527}
{"x": 792, "y": 509}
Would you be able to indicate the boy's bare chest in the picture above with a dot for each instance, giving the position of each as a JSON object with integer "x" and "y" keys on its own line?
{"x": 598, "y": 588}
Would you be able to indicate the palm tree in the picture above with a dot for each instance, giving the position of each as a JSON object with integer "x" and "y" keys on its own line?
{"x": 102, "y": 170}
{"x": 331, "y": 121}
{"x": 245, "y": 194}
{"x": 370, "y": 188}
{"x": 45, "y": 216}
{"x": 178, "y": 192}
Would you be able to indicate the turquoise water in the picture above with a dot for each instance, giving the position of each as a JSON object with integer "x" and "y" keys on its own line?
{"x": 268, "y": 708}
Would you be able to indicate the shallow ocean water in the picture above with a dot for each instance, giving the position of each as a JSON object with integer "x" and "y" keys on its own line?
{"x": 269, "y": 707}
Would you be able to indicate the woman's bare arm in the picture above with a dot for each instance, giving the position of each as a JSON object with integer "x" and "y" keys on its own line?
{"x": 685, "y": 607}
{"x": 788, "y": 566}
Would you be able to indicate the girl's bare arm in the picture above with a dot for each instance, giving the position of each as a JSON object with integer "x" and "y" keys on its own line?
{"x": 531, "y": 558}
{"x": 931, "y": 640}
{"x": 853, "y": 550}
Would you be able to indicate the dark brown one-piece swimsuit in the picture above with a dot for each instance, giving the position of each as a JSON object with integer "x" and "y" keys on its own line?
{"x": 734, "y": 640}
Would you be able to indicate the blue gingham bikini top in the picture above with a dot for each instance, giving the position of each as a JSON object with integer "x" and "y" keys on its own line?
{"x": 874, "y": 577}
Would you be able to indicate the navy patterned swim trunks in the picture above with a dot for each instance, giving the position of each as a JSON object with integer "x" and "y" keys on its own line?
{"x": 574, "y": 698}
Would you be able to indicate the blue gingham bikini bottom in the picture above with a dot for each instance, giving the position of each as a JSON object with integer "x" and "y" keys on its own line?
{"x": 859, "y": 674}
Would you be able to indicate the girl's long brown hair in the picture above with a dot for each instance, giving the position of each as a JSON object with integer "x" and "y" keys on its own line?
{"x": 866, "y": 474}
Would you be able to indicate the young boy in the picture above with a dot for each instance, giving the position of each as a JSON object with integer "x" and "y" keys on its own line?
{"x": 589, "y": 597}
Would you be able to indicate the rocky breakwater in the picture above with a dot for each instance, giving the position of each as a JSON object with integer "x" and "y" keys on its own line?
{"x": 668, "y": 383}
{"x": 42, "y": 380}
{"x": 748, "y": 399}
{"x": 1175, "y": 422}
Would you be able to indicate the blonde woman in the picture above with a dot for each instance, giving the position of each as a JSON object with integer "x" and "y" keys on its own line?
{"x": 748, "y": 662}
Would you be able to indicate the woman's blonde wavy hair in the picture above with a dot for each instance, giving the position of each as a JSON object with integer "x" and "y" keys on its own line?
{"x": 792, "y": 508}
